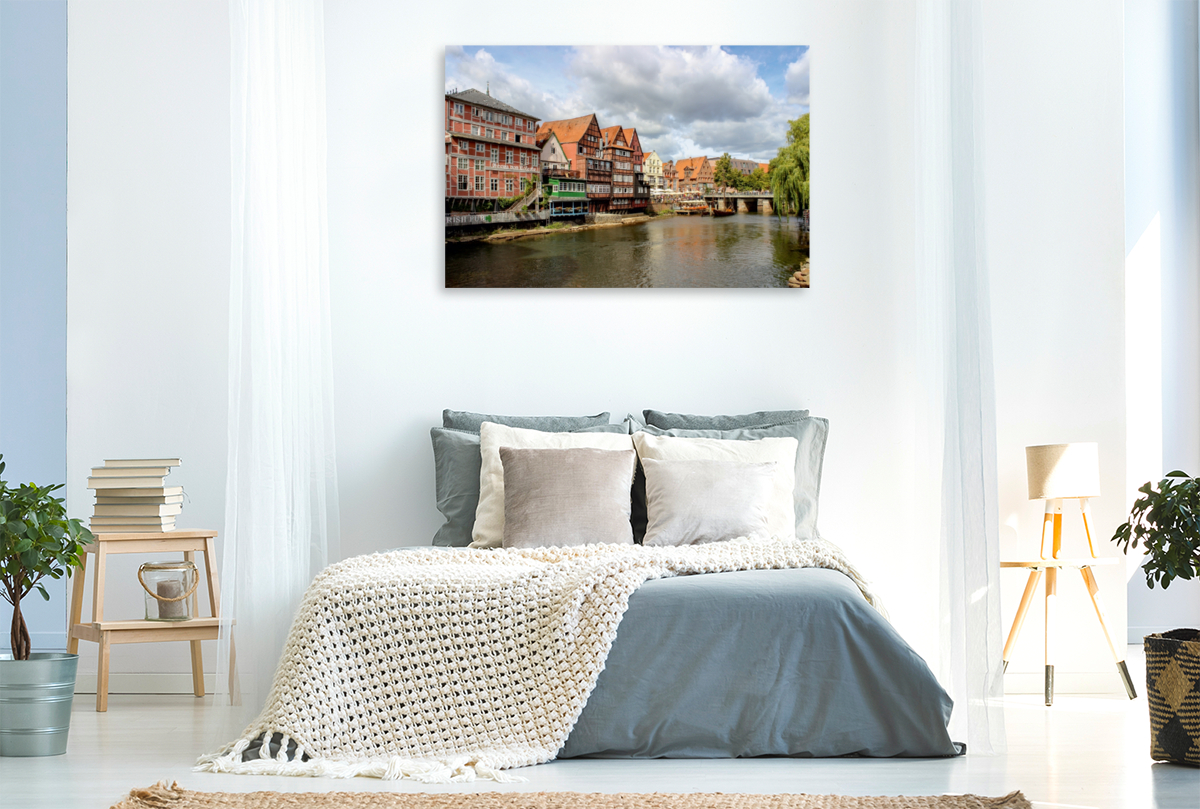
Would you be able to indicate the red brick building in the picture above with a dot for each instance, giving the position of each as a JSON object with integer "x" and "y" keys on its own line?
{"x": 618, "y": 152}
{"x": 670, "y": 181}
{"x": 491, "y": 149}
{"x": 694, "y": 174}
{"x": 641, "y": 189}
{"x": 583, "y": 145}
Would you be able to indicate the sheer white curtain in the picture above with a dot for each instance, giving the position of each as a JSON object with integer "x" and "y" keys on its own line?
{"x": 957, "y": 428}
{"x": 281, "y": 508}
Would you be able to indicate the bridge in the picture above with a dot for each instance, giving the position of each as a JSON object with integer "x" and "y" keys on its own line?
{"x": 741, "y": 201}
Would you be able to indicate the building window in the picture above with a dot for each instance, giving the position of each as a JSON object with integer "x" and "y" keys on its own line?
{"x": 463, "y": 162}
{"x": 479, "y": 165}
{"x": 524, "y": 160}
{"x": 508, "y": 186}
{"x": 529, "y": 125}
{"x": 508, "y": 156}
{"x": 458, "y": 109}
{"x": 518, "y": 122}
{"x": 480, "y": 148}
{"x": 462, "y": 182}
{"x": 495, "y": 184}
{"x": 487, "y": 133}
{"x": 478, "y": 182}
{"x": 474, "y": 130}
{"x": 534, "y": 161}
{"x": 496, "y": 154}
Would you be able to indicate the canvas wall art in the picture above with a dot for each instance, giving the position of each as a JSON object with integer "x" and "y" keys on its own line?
{"x": 629, "y": 166}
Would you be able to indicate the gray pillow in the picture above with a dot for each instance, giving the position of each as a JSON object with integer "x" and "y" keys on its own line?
{"x": 456, "y": 464}
{"x": 685, "y": 421}
{"x": 694, "y": 501}
{"x": 463, "y": 420}
{"x": 811, "y": 433}
{"x": 564, "y": 497}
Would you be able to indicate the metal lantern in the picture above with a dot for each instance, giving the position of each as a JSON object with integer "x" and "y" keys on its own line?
{"x": 169, "y": 587}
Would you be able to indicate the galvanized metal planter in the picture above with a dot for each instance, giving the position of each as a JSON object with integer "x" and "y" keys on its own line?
{"x": 35, "y": 703}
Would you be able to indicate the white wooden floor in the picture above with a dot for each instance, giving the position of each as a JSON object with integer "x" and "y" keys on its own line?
{"x": 1083, "y": 752}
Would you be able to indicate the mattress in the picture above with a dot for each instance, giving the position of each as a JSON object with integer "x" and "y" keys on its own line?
{"x": 760, "y": 663}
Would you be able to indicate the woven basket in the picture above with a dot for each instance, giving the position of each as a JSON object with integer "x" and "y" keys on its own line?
{"x": 1173, "y": 692}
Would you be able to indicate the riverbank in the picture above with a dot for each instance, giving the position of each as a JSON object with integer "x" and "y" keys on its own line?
{"x": 525, "y": 233}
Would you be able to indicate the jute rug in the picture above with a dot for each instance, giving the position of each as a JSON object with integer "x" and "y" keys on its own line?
{"x": 162, "y": 796}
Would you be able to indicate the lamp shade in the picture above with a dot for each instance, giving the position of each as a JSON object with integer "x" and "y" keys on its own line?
{"x": 1063, "y": 470}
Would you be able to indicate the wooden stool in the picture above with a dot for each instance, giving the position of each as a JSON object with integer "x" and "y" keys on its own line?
{"x": 1051, "y": 567}
{"x": 106, "y": 633}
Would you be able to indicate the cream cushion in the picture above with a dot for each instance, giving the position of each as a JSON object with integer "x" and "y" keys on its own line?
{"x": 691, "y": 502}
{"x": 565, "y": 497}
{"x": 489, "y": 514}
{"x": 781, "y": 516}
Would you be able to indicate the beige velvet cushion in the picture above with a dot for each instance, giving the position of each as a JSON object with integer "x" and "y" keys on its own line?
{"x": 488, "y": 531}
{"x": 781, "y": 515}
{"x": 566, "y": 496}
{"x": 690, "y": 502}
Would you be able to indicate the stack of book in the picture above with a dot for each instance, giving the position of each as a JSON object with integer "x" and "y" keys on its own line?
{"x": 132, "y": 496}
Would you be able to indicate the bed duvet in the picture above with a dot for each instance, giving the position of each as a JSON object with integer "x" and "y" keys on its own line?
{"x": 760, "y": 663}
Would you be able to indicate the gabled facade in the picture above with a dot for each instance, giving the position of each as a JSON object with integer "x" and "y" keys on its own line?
{"x": 581, "y": 142}
{"x": 670, "y": 179}
{"x": 694, "y": 174}
{"x": 491, "y": 148}
{"x": 617, "y": 151}
{"x": 652, "y": 168}
{"x": 641, "y": 188}
{"x": 552, "y": 155}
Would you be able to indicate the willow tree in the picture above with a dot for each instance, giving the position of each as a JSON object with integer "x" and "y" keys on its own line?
{"x": 789, "y": 173}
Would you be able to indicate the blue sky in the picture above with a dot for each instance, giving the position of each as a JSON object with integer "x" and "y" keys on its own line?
{"x": 684, "y": 101}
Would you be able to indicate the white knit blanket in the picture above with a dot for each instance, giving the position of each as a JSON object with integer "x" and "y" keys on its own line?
{"x": 447, "y": 666}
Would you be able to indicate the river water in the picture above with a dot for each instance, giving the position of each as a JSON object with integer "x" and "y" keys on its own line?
{"x": 743, "y": 250}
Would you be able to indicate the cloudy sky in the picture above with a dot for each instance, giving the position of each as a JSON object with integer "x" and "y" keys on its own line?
{"x": 684, "y": 101}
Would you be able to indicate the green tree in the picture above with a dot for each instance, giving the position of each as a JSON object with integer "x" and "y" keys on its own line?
{"x": 724, "y": 174}
{"x": 757, "y": 181}
{"x": 790, "y": 171}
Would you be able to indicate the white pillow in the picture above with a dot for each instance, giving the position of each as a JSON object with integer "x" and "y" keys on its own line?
{"x": 781, "y": 515}
{"x": 691, "y": 502}
{"x": 489, "y": 514}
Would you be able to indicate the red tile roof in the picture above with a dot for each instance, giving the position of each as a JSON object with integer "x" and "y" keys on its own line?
{"x": 570, "y": 130}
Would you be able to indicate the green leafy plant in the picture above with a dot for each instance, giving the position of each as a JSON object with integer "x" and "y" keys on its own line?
{"x": 1166, "y": 521}
{"x": 36, "y": 540}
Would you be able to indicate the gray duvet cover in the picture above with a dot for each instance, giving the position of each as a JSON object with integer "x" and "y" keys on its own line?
{"x": 760, "y": 663}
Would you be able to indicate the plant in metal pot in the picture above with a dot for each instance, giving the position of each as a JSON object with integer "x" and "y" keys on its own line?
{"x": 1165, "y": 521}
{"x": 37, "y": 540}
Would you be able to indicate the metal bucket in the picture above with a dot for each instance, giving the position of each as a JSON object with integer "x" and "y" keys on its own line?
{"x": 35, "y": 703}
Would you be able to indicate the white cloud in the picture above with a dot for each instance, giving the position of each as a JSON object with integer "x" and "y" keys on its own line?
{"x": 683, "y": 101}
{"x": 797, "y": 79}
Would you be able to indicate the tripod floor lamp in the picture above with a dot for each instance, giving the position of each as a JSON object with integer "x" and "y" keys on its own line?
{"x": 1059, "y": 472}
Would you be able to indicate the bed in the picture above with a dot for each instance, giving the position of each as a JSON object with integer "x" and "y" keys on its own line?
{"x": 450, "y": 664}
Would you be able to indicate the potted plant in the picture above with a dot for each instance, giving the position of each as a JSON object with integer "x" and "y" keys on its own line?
{"x": 1166, "y": 522}
{"x": 36, "y": 688}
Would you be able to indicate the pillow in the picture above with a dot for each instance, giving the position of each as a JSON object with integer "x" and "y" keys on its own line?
{"x": 810, "y": 433}
{"x": 684, "y": 421}
{"x": 566, "y": 496}
{"x": 456, "y": 480}
{"x": 781, "y": 516}
{"x": 489, "y": 514}
{"x": 690, "y": 502}
{"x": 463, "y": 420}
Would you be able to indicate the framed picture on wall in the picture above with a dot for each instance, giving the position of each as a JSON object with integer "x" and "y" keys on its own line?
{"x": 627, "y": 166}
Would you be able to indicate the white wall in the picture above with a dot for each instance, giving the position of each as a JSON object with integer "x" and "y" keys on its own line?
{"x": 149, "y": 238}
{"x": 148, "y": 247}
{"x": 1162, "y": 241}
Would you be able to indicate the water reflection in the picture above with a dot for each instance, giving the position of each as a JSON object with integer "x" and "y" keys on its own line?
{"x": 745, "y": 250}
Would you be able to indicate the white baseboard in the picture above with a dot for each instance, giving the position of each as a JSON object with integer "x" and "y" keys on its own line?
{"x": 1066, "y": 682}
{"x": 144, "y": 683}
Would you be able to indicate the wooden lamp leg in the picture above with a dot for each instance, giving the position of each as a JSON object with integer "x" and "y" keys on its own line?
{"x": 1035, "y": 576}
{"x": 1093, "y": 588}
{"x": 1051, "y": 605}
